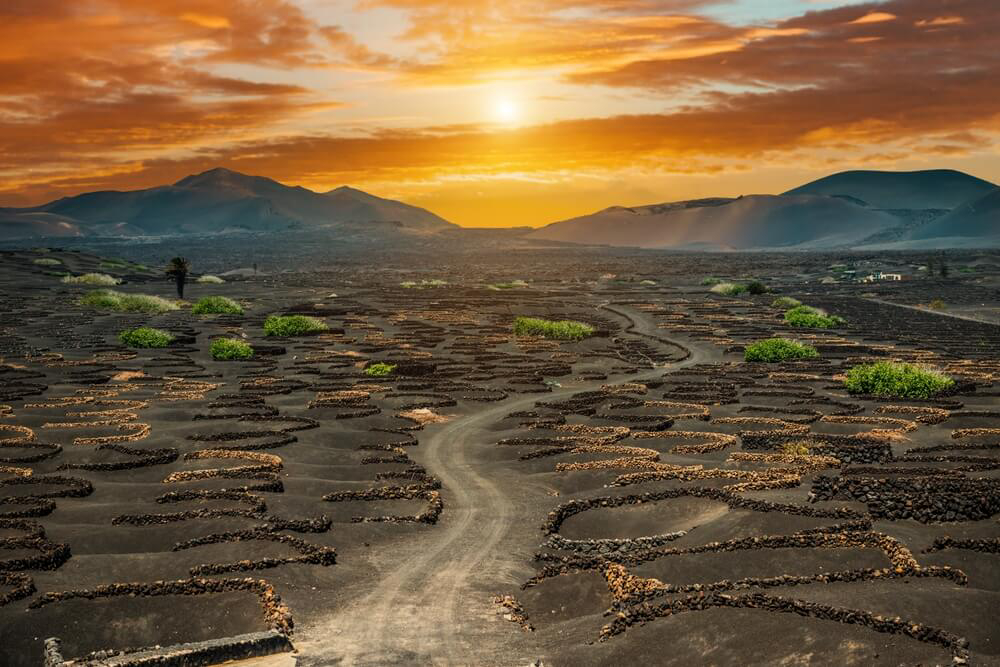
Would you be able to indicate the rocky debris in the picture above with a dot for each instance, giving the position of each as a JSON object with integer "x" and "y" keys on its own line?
{"x": 958, "y": 646}
{"x": 276, "y": 613}
{"x": 210, "y": 652}
{"x": 928, "y": 499}
{"x": 512, "y": 611}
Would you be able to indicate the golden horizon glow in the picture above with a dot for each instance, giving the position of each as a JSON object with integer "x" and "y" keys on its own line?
{"x": 490, "y": 114}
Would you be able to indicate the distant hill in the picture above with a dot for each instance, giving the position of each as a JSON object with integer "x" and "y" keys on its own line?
{"x": 978, "y": 218}
{"x": 935, "y": 208}
{"x": 218, "y": 200}
{"x": 933, "y": 188}
{"x": 754, "y": 221}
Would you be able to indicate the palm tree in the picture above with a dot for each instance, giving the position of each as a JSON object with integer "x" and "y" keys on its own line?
{"x": 177, "y": 269}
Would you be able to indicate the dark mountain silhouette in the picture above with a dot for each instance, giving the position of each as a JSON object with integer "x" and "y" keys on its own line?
{"x": 218, "y": 200}
{"x": 933, "y": 188}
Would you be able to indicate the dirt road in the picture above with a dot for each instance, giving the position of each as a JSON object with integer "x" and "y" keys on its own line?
{"x": 430, "y": 604}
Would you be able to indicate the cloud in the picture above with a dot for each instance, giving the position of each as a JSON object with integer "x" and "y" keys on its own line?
{"x": 148, "y": 91}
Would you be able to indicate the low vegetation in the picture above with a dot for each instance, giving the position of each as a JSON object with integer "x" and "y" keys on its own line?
{"x": 145, "y": 337}
{"x": 217, "y": 305}
{"x": 896, "y": 380}
{"x": 513, "y": 284}
{"x": 772, "y": 350}
{"x": 423, "y": 284}
{"x": 710, "y": 281}
{"x": 92, "y": 279}
{"x": 227, "y": 349}
{"x": 293, "y": 325}
{"x": 729, "y": 289}
{"x": 797, "y": 448}
{"x": 379, "y": 369}
{"x": 937, "y": 304}
{"x": 104, "y": 299}
{"x": 811, "y": 318}
{"x": 210, "y": 280}
{"x": 757, "y": 287}
{"x": 785, "y": 302}
{"x": 555, "y": 330}
{"x": 47, "y": 261}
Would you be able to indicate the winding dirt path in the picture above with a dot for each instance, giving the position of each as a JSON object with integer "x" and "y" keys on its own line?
{"x": 431, "y": 606}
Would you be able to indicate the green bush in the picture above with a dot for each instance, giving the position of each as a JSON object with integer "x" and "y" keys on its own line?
{"x": 216, "y": 305}
{"x": 711, "y": 281}
{"x": 210, "y": 280}
{"x": 772, "y": 350}
{"x": 812, "y": 318}
{"x": 513, "y": 284}
{"x": 785, "y": 302}
{"x": 423, "y": 284}
{"x": 729, "y": 289}
{"x": 896, "y": 380}
{"x": 47, "y": 261}
{"x": 379, "y": 370}
{"x": 92, "y": 279}
{"x": 293, "y": 325}
{"x": 104, "y": 299}
{"x": 556, "y": 330}
{"x": 756, "y": 287}
{"x": 226, "y": 349}
{"x": 145, "y": 337}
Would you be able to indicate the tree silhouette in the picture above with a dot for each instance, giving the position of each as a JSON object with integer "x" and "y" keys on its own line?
{"x": 177, "y": 269}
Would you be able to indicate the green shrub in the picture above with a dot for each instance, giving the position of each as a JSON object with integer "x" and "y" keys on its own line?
{"x": 896, "y": 380}
{"x": 729, "y": 289}
{"x": 937, "y": 304}
{"x": 145, "y": 337}
{"x": 92, "y": 279}
{"x": 757, "y": 287}
{"x": 293, "y": 325}
{"x": 423, "y": 284}
{"x": 225, "y": 349}
{"x": 513, "y": 284}
{"x": 647, "y": 282}
{"x": 104, "y": 299}
{"x": 772, "y": 350}
{"x": 216, "y": 305}
{"x": 114, "y": 264}
{"x": 785, "y": 302}
{"x": 711, "y": 281}
{"x": 47, "y": 261}
{"x": 812, "y": 318}
{"x": 210, "y": 280}
{"x": 379, "y": 370}
{"x": 556, "y": 330}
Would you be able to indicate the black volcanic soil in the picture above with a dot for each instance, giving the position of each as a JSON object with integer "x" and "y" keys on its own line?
{"x": 629, "y": 494}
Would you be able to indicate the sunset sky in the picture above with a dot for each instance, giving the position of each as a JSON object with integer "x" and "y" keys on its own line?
{"x": 494, "y": 112}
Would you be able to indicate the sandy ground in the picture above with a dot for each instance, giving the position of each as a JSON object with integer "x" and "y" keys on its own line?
{"x": 224, "y": 471}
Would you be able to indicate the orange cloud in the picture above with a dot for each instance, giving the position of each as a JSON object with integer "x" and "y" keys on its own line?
{"x": 148, "y": 91}
{"x": 874, "y": 17}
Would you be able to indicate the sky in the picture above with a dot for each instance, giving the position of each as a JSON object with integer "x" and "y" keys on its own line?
{"x": 494, "y": 113}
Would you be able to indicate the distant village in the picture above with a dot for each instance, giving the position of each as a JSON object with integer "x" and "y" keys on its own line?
{"x": 874, "y": 271}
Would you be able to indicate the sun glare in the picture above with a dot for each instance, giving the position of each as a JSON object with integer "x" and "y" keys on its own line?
{"x": 505, "y": 110}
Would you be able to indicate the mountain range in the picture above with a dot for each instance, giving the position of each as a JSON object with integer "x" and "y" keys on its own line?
{"x": 851, "y": 209}
{"x": 859, "y": 209}
{"x": 215, "y": 201}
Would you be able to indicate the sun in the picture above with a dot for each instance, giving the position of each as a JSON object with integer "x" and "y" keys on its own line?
{"x": 506, "y": 110}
